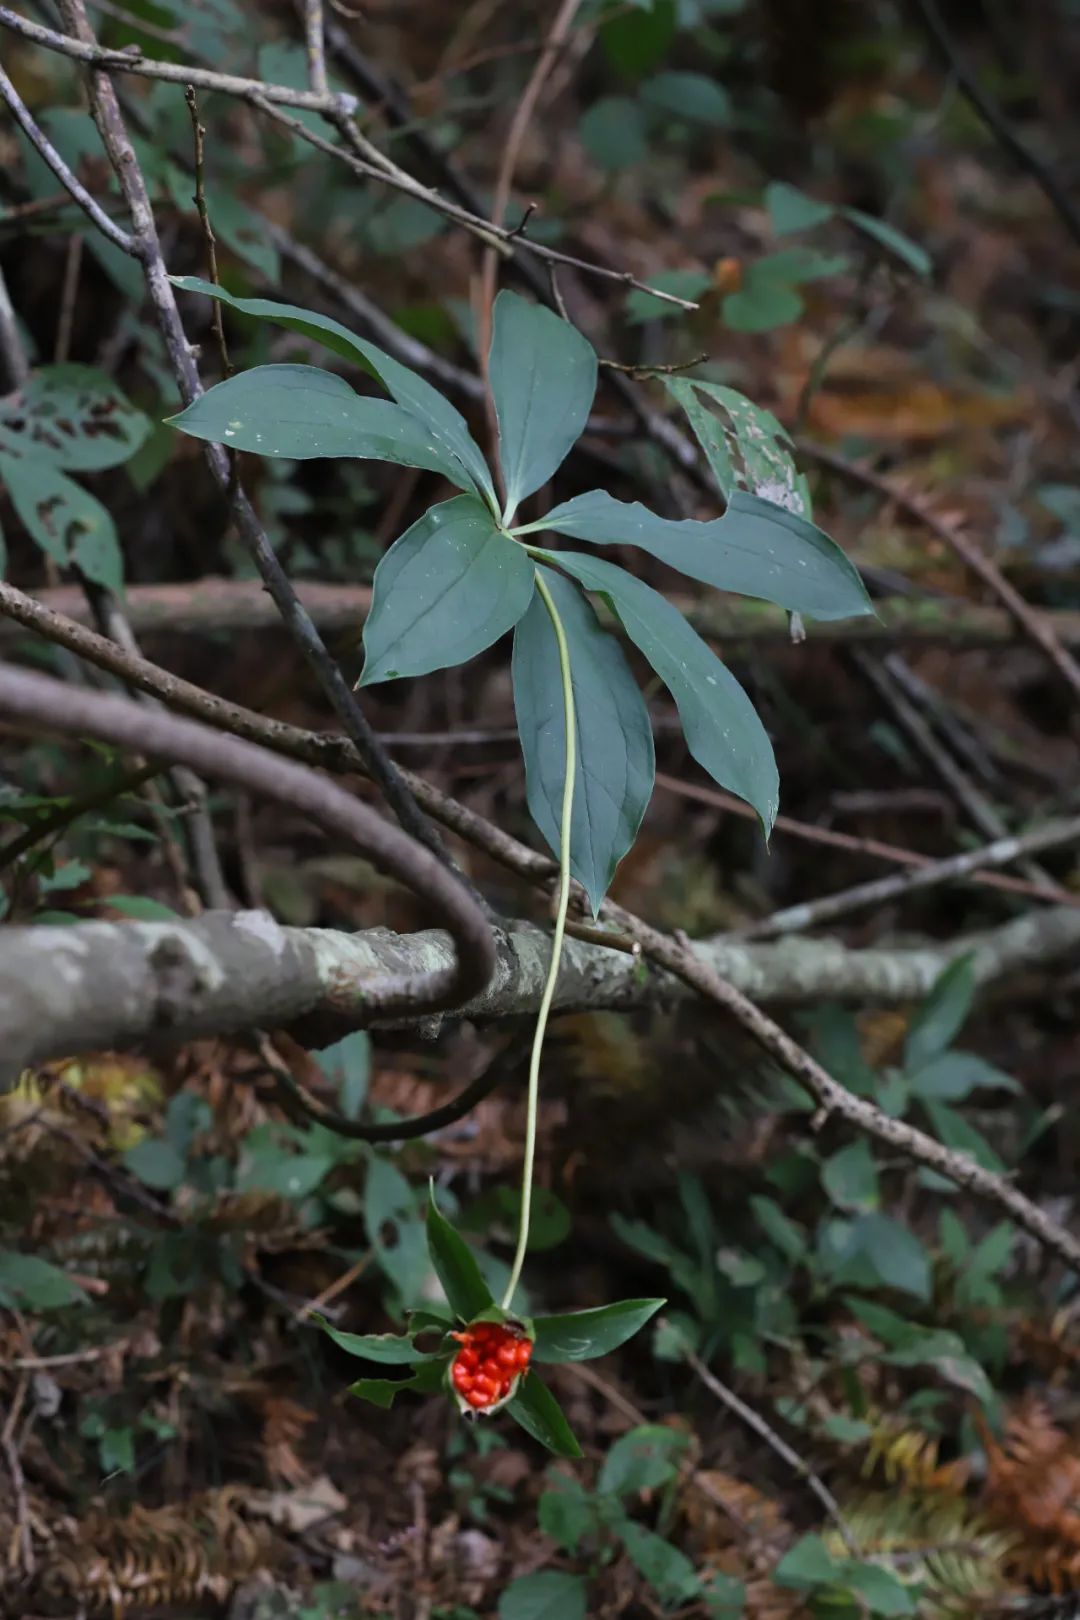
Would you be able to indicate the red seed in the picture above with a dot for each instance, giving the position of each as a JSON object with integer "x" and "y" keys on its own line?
{"x": 507, "y": 1354}
{"x": 523, "y": 1353}
{"x": 475, "y": 1398}
{"x": 467, "y": 1358}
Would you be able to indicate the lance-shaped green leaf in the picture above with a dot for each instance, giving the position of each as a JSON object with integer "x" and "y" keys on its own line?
{"x": 755, "y": 549}
{"x": 426, "y": 1380}
{"x": 583, "y": 1335}
{"x": 414, "y": 393}
{"x": 539, "y": 1413}
{"x": 455, "y": 1266}
{"x": 543, "y": 379}
{"x": 395, "y": 1349}
{"x": 614, "y": 765}
{"x": 304, "y": 412}
{"x": 452, "y": 585}
{"x": 719, "y": 721}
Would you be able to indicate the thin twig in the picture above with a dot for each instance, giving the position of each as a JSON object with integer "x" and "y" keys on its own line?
{"x": 18, "y": 1483}
{"x": 764, "y": 1431}
{"x": 68, "y": 295}
{"x": 830, "y": 838}
{"x": 40, "y": 141}
{"x": 12, "y": 352}
{"x": 1034, "y": 625}
{"x": 833, "y": 1098}
{"x": 132, "y": 60}
{"x": 198, "y": 133}
{"x": 315, "y": 43}
{"x": 898, "y": 885}
{"x": 1045, "y": 177}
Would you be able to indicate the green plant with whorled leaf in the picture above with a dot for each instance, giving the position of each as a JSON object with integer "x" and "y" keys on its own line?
{"x": 470, "y": 570}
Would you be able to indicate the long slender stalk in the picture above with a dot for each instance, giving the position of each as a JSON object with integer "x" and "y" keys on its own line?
{"x": 556, "y": 942}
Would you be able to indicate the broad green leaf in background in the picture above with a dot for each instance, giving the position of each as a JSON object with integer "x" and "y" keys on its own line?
{"x": 809, "y": 1563}
{"x": 614, "y": 767}
{"x": 636, "y": 40}
{"x": 548, "y": 1595}
{"x": 850, "y": 1177}
{"x": 156, "y": 1163}
{"x": 896, "y": 1255}
{"x": 613, "y": 133}
{"x": 942, "y": 1015}
{"x": 761, "y": 304}
{"x": 792, "y": 210}
{"x": 539, "y": 1414}
{"x": 543, "y": 378}
{"x": 67, "y": 522}
{"x": 641, "y": 1460}
{"x": 455, "y": 1264}
{"x": 689, "y": 96}
{"x": 567, "y": 1512}
{"x": 452, "y": 585}
{"x": 411, "y": 391}
{"x": 347, "y": 1066}
{"x": 583, "y": 1335}
{"x": 755, "y": 549}
{"x": 304, "y": 412}
{"x": 952, "y": 1076}
{"x": 29, "y": 1281}
{"x": 666, "y": 1568}
{"x": 74, "y": 416}
{"x": 720, "y": 724}
{"x": 245, "y": 233}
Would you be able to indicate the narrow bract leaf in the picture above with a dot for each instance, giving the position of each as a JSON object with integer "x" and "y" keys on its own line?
{"x": 452, "y": 585}
{"x": 719, "y": 721}
{"x": 393, "y": 1348}
{"x": 543, "y": 379}
{"x": 582, "y": 1335}
{"x": 455, "y": 1265}
{"x": 614, "y": 768}
{"x": 755, "y": 549}
{"x": 304, "y": 412}
{"x": 539, "y": 1413}
{"x": 413, "y": 392}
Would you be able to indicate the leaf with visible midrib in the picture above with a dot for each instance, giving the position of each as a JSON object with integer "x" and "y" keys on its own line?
{"x": 755, "y": 549}
{"x": 543, "y": 379}
{"x": 614, "y": 765}
{"x": 413, "y": 392}
{"x": 720, "y": 723}
{"x": 582, "y": 1335}
{"x": 303, "y": 412}
{"x": 452, "y": 585}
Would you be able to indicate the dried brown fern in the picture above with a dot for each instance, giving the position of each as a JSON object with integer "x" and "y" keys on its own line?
{"x": 1033, "y": 1485}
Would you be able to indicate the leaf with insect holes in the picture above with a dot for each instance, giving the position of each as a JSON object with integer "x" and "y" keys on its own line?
{"x": 452, "y": 585}
{"x": 755, "y": 549}
{"x": 426, "y": 1380}
{"x": 744, "y": 444}
{"x": 614, "y": 764}
{"x": 68, "y": 523}
{"x": 539, "y": 1414}
{"x": 74, "y": 416}
{"x": 583, "y": 1335}
{"x": 719, "y": 722}
{"x": 303, "y": 412}
{"x": 455, "y": 1265}
{"x": 412, "y": 392}
{"x": 543, "y": 379}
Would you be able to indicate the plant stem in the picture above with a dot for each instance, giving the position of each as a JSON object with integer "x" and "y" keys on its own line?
{"x": 556, "y": 942}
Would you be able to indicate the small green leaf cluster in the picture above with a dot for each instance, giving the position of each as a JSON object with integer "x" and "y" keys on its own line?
{"x": 745, "y": 1284}
{"x": 574, "y": 1336}
{"x": 67, "y": 419}
{"x": 468, "y": 571}
{"x": 594, "y": 1525}
{"x": 844, "y": 1587}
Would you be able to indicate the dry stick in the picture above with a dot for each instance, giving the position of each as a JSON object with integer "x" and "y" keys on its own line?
{"x": 12, "y": 352}
{"x": 84, "y": 48}
{"x": 1033, "y": 624}
{"x": 793, "y": 919}
{"x": 991, "y": 114}
{"x": 775, "y": 1442}
{"x": 834, "y": 1098}
{"x": 93, "y": 211}
{"x": 333, "y": 751}
{"x": 831, "y": 839}
{"x": 198, "y": 132}
{"x": 146, "y": 247}
{"x": 51, "y": 706}
{"x": 315, "y": 42}
{"x": 972, "y": 800}
{"x": 504, "y": 179}
{"x": 68, "y": 295}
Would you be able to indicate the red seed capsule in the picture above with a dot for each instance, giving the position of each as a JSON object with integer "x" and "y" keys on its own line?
{"x": 475, "y": 1398}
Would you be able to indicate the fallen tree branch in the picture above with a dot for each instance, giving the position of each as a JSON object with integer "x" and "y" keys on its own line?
{"x": 178, "y": 977}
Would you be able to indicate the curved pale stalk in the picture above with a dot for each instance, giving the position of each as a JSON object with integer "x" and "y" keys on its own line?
{"x": 556, "y": 942}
